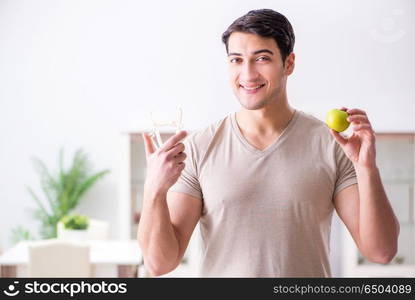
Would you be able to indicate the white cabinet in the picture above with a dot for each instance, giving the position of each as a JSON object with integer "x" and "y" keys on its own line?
{"x": 396, "y": 162}
{"x": 132, "y": 162}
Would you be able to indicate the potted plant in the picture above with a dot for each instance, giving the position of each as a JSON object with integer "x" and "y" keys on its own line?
{"x": 73, "y": 227}
{"x": 62, "y": 190}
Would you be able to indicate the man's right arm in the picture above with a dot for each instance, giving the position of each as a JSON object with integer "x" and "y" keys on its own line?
{"x": 165, "y": 228}
{"x": 167, "y": 218}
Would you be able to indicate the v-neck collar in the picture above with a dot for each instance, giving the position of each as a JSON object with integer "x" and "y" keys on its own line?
{"x": 270, "y": 147}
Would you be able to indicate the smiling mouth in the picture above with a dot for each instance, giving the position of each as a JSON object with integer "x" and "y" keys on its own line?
{"x": 252, "y": 88}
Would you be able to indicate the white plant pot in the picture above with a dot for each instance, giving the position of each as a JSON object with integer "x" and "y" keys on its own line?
{"x": 73, "y": 235}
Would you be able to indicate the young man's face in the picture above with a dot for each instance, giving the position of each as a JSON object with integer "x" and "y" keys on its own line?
{"x": 256, "y": 70}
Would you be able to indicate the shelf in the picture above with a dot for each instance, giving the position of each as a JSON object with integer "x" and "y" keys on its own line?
{"x": 396, "y": 162}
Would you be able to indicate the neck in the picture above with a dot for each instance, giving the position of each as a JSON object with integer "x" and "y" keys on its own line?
{"x": 267, "y": 121}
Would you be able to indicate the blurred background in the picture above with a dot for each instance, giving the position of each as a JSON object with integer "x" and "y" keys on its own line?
{"x": 85, "y": 75}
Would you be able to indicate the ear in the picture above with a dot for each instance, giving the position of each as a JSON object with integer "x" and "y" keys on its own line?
{"x": 289, "y": 64}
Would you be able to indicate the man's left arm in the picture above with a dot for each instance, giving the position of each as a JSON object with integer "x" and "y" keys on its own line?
{"x": 365, "y": 208}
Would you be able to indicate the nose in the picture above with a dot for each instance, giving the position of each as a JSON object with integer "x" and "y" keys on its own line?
{"x": 248, "y": 73}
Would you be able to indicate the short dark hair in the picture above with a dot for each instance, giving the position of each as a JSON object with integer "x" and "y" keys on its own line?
{"x": 265, "y": 23}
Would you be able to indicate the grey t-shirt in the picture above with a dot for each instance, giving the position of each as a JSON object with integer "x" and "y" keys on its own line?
{"x": 266, "y": 213}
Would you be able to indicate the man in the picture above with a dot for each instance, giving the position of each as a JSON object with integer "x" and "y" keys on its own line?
{"x": 264, "y": 181}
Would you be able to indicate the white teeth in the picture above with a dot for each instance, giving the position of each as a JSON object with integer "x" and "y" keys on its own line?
{"x": 252, "y": 88}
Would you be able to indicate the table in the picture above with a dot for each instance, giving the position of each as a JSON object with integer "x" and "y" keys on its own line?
{"x": 109, "y": 258}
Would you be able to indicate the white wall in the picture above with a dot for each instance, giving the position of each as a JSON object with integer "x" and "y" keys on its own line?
{"x": 76, "y": 73}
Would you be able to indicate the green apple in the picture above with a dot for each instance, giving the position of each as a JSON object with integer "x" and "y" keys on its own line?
{"x": 336, "y": 119}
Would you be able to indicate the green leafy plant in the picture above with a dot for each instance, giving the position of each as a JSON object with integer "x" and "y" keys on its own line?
{"x": 76, "y": 222}
{"x": 62, "y": 191}
{"x": 19, "y": 234}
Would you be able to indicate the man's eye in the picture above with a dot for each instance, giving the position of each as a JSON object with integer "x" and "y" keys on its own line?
{"x": 262, "y": 58}
{"x": 235, "y": 60}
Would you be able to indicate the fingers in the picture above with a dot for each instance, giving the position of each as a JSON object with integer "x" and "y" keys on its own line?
{"x": 172, "y": 141}
{"x": 339, "y": 138}
{"x": 356, "y": 111}
{"x": 148, "y": 144}
{"x": 362, "y": 127}
{"x": 356, "y": 116}
{"x": 358, "y": 119}
{"x": 175, "y": 150}
{"x": 180, "y": 157}
{"x": 182, "y": 165}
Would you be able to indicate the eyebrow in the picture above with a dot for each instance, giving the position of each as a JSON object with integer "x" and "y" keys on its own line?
{"x": 254, "y": 53}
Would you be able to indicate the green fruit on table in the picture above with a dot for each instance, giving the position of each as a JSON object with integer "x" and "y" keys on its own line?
{"x": 337, "y": 120}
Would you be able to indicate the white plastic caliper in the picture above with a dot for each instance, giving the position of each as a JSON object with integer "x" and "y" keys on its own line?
{"x": 157, "y": 124}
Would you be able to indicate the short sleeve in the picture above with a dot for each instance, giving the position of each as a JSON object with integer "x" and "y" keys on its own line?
{"x": 188, "y": 181}
{"x": 346, "y": 174}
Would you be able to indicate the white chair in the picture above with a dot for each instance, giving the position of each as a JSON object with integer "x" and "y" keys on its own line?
{"x": 58, "y": 258}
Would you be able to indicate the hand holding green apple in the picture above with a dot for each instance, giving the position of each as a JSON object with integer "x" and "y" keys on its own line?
{"x": 336, "y": 119}
{"x": 359, "y": 146}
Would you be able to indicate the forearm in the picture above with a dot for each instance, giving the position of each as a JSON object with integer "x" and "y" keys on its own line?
{"x": 378, "y": 226}
{"x": 156, "y": 234}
